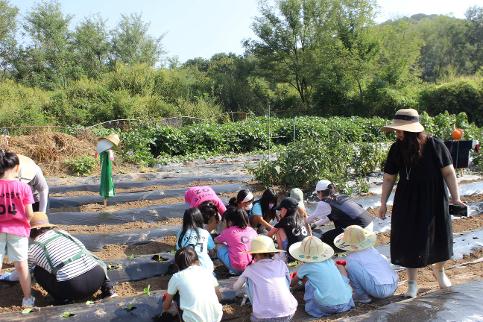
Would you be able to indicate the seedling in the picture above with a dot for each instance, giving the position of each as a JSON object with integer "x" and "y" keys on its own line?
{"x": 89, "y": 302}
{"x": 147, "y": 290}
{"x": 27, "y": 310}
{"x": 67, "y": 314}
{"x": 131, "y": 257}
{"x": 130, "y": 307}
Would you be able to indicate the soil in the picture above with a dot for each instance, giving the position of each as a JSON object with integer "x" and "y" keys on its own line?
{"x": 135, "y": 225}
{"x": 111, "y": 252}
{"x": 94, "y": 207}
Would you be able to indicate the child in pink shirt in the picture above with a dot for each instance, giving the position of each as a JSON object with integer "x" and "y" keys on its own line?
{"x": 15, "y": 212}
{"x": 267, "y": 283}
{"x": 235, "y": 241}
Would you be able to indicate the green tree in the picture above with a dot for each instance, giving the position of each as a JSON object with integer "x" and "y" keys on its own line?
{"x": 8, "y": 27}
{"x": 48, "y": 61}
{"x": 91, "y": 46}
{"x": 131, "y": 43}
{"x": 474, "y": 21}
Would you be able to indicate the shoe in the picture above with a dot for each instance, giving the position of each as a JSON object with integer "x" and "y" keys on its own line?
{"x": 412, "y": 289}
{"x": 28, "y": 301}
{"x": 442, "y": 278}
{"x": 109, "y": 293}
{"x": 365, "y": 299}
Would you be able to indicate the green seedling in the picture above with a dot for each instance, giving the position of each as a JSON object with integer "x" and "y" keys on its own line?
{"x": 147, "y": 290}
{"x": 27, "y": 310}
{"x": 89, "y": 302}
{"x": 67, "y": 314}
{"x": 159, "y": 258}
{"x": 131, "y": 257}
{"x": 130, "y": 307}
{"x": 111, "y": 267}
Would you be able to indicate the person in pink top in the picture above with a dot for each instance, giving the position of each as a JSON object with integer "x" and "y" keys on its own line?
{"x": 16, "y": 201}
{"x": 267, "y": 283}
{"x": 234, "y": 241}
{"x": 207, "y": 201}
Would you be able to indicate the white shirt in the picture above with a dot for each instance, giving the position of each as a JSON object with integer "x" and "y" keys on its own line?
{"x": 375, "y": 264}
{"x": 319, "y": 216}
{"x": 198, "y": 300}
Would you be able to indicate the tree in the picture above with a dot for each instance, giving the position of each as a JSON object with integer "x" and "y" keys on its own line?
{"x": 91, "y": 46}
{"x": 48, "y": 60}
{"x": 131, "y": 43}
{"x": 8, "y": 27}
{"x": 474, "y": 22}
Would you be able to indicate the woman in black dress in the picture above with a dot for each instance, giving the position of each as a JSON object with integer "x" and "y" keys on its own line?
{"x": 421, "y": 232}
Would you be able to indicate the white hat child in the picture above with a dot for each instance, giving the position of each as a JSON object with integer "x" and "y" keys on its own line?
{"x": 311, "y": 250}
{"x": 322, "y": 185}
{"x": 355, "y": 238}
{"x": 298, "y": 195}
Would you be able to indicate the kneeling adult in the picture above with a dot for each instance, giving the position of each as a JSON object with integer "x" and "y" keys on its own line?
{"x": 340, "y": 209}
{"x": 62, "y": 265}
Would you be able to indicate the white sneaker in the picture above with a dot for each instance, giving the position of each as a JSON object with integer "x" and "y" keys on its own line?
{"x": 28, "y": 301}
{"x": 412, "y": 289}
{"x": 442, "y": 278}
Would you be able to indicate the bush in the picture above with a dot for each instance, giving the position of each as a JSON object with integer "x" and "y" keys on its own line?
{"x": 455, "y": 97}
{"x": 81, "y": 166}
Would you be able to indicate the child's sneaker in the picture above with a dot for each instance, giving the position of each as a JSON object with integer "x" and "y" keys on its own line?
{"x": 412, "y": 289}
{"x": 28, "y": 301}
{"x": 365, "y": 299}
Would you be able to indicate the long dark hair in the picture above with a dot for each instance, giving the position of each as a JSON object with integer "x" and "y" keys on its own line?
{"x": 241, "y": 195}
{"x": 412, "y": 147}
{"x": 208, "y": 210}
{"x": 192, "y": 219}
{"x": 268, "y": 197}
{"x": 237, "y": 217}
{"x": 330, "y": 192}
{"x": 8, "y": 160}
{"x": 293, "y": 217}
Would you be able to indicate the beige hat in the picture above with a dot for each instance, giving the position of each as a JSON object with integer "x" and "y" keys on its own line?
{"x": 263, "y": 244}
{"x": 311, "y": 250}
{"x": 355, "y": 238}
{"x": 113, "y": 138}
{"x": 405, "y": 120}
{"x": 28, "y": 168}
{"x": 298, "y": 195}
{"x": 40, "y": 220}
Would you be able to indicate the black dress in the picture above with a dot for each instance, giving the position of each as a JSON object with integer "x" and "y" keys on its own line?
{"x": 421, "y": 232}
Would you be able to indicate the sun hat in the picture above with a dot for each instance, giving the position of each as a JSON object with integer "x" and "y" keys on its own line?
{"x": 263, "y": 244}
{"x": 40, "y": 220}
{"x": 298, "y": 195}
{"x": 311, "y": 250}
{"x": 355, "y": 238}
{"x": 405, "y": 120}
{"x": 288, "y": 203}
{"x": 28, "y": 168}
{"x": 322, "y": 185}
{"x": 113, "y": 138}
{"x": 103, "y": 145}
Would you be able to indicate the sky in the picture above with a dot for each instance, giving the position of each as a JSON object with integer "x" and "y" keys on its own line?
{"x": 201, "y": 28}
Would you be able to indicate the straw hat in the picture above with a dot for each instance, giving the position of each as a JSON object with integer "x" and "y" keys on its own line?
{"x": 40, "y": 220}
{"x": 405, "y": 120}
{"x": 355, "y": 238}
{"x": 103, "y": 145}
{"x": 298, "y": 195}
{"x": 311, "y": 250}
{"x": 113, "y": 138}
{"x": 28, "y": 168}
{"x": 263, "y": 244}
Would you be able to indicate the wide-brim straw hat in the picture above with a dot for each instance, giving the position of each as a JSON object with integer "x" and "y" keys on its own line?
{"x": 262, "y": 245}
{"x": 113, "y": 138}
{"x": 28, "y": 168}
{"x": 311, "y": 250}
{"x": 405, "y": 120}
{"x": 40, "y": 220}
{"x": 103, "y": 145}
{"x": 355, "y": 238}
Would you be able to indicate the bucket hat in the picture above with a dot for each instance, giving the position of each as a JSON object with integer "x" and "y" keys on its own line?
{"x": 113, "y": 138}
{"x": 311, "y": 250}
{"x": 405, "y": 120}
{"x": 355, "y": 238}
{"x": 28, "y": 168}
{"x": 298, "y": 195}
{"x": 263, "y": 244}
{"x": 40, "y": 220}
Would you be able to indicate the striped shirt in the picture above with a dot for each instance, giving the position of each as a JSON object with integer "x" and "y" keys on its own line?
{"x": 60, "y": 250}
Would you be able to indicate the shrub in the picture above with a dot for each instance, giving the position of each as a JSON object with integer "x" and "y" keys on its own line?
{"x": 81, "y": 166}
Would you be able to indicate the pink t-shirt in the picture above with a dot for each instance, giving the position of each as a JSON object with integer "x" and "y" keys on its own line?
{"x": 238, "y": 241}
{"x": 197, "y": 195}
{"x": 268, "y": 281}
{"x": 14, "y": 196}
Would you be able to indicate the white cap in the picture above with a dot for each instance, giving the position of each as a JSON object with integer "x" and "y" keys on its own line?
{"x": 322, "y": 185}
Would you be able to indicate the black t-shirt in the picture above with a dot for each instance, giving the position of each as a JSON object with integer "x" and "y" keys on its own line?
{"x": 294, "y": 229}
{"x": 460, "y": 152}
